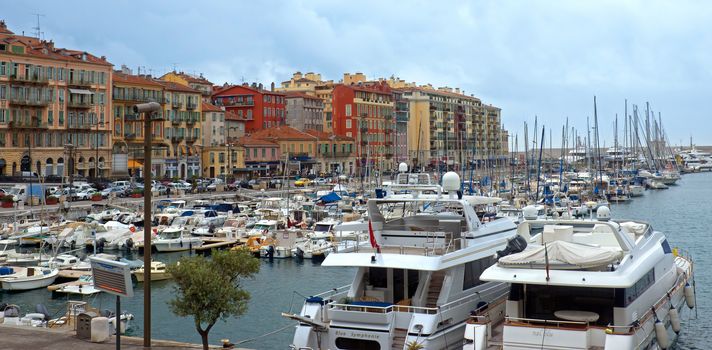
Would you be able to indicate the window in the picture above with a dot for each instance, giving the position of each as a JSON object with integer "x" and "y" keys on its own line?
{"x": 348, "y": 123}
{"x": 473, "y": 270}
{"x": 254, "y": 152}
{"x": 625, "y": 297}
{"x": 357, "y": 344}
{"x": 378, "y": 277}
{"x": 50, "y": 117}
{"x": 348, "y": 110}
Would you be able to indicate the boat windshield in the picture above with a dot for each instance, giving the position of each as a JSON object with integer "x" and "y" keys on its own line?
{"x": 262, "y": 227}
{"x": 322, "y": 228}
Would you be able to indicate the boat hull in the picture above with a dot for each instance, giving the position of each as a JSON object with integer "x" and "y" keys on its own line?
{"x": 177, "y": 245}
{"x": 30, "y": 283}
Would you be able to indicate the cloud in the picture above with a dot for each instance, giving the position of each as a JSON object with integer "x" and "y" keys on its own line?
{"x": 544, "y": 58}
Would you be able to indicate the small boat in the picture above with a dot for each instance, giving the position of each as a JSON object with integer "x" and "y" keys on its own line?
{"x": 83, "y": 287}
{"x": 657, "y": 185}
{"x": 636, "y": 190}
{"x": 26, "y": 278}
{"x": 158, "y": 272}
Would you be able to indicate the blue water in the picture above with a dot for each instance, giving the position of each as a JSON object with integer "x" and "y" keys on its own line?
{"x": 682, "y": 212}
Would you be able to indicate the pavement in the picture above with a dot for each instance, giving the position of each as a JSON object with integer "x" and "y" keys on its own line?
{"x": 17, "y": 337}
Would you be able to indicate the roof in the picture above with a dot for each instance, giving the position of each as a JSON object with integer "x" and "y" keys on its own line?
{"x": 118, "y": 77}
{"x": 209, "y": 107}
{"x": 321, "y": 135}
{"x": 283, "y": 132}
{"x": 227, "y": 87}
{"x": 190, "y": 78}
{"x": 169, "y": 85}
{"x": 248, "y": 141}
{"x": 437, "y": 92}
{"x": 299, "y": 94}
{"x": 45, "y": 49}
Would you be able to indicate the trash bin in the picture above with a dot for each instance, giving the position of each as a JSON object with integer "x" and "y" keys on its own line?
{"x": 84, "y": 324}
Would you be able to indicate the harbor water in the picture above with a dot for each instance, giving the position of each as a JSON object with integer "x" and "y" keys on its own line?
{"x": 681, "y": 212}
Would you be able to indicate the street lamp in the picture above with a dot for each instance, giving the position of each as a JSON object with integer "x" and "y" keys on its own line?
{"x": 147, "y": 109}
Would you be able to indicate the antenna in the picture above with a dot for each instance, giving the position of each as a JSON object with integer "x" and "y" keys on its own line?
{"x": 174, "y": 67}
{"x": 38, "y": 32}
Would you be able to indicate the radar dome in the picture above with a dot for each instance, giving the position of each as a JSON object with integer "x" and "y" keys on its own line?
{"x": 451, "y": 181}
{"x": 603, "y": 213}
{"x": 529, "y": 212}
{"x": 403, "y": 167}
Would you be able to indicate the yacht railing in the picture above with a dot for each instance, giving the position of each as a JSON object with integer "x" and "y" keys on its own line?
{"x": 555, "y": 323}
{"x": 433, "y": 246}
{"x": 413, "y": 309}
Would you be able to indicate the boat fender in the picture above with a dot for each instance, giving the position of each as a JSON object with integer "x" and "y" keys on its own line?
{"x": 41, "y": 309}
{"x": 181, "y": 243}
{"x": 675, "y": 320}
{"x": 689, "y": 295}
{"x": 661, "y": 334}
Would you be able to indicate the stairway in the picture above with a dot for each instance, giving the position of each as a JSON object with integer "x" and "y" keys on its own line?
{"x": 436, "y": 283}
{"x": 399, "y": 338}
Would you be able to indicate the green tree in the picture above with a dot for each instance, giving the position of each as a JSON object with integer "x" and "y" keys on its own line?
{"x": 209, "y": 289}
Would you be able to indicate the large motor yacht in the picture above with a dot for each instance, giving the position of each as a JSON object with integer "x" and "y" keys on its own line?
{"x": 417, "y": 281}
{"x": 586, "y": 284}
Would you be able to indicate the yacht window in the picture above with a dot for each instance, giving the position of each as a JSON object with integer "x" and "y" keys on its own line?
{"x": 625, "y": 297}
{"x": 357, "y": 344}
{"x": 378, "y": 277}
{"x": 541, "y": 302}
{"x": 473, "y": 270}
{"x": 666, "y": 247}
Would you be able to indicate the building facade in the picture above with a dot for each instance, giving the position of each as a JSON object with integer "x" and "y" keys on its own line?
{"x": 334, "y": 153}
{"x": 304, "y": 111}
{"x": 261, "y": 157}
{"x": 260, "y": 108}
{"x": 54, "y": 108}
{"x": 182, "y": 115}
{"x": 448, "y": 129}
{"x": 213, "y": 148}
{"x": 128, "y": 138}
{"x": 364, "y": 112}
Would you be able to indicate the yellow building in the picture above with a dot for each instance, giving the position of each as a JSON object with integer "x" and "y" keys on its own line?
{"x": 54, "y": 108}
{"x": 195, "y": 82}
{"x": 129, "y": 90}
{"x": 298, "y": 147}
{"x": 182, "y": 113}
{"x": 311, "y": 84}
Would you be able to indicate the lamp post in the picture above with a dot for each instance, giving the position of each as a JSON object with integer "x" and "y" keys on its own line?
{"x": 147, "y": 109}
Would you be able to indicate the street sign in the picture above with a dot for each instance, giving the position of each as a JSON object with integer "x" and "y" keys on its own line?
{"x": 113, "y": 277}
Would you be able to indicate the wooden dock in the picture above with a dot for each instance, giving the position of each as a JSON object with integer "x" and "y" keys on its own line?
{"x": 72, "y": 274}
{"x": 58, "y": 286}
{"x": 217, "y": 243}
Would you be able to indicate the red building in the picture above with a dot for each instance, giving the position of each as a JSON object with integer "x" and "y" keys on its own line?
{"x": 261, "y": 109}
{"x": 364, "y": 112}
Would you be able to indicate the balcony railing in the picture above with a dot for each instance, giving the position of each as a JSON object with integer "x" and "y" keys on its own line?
{"x": 191, "y": 139}
{"x": 132, "y": 117}
{"x": 32, "y": 78}
{"x": 176, "y": 139}
{"x": 191, "y": 120}
{"x": 31, "y": 124}
{"x": 130, "y": 136}
{"x": 79, "y": 82}
{"x": 176, "y": 104}
{"x": 31, "y": 102}
{"x": 236, "y": 103}
{"x": 78, "y": 104}
{"x": 191, "y": 106}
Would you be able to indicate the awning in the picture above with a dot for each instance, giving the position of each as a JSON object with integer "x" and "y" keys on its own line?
{"x": 133, "y": 164}
{"x": 80, "y": 92}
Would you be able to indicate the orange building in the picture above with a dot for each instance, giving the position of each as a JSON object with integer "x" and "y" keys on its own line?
{"x": 54, "y": 108}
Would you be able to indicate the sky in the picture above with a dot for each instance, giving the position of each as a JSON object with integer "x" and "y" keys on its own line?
{"x": 543, "y": 59}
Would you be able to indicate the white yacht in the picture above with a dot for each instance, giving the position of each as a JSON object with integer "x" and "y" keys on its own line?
{"x": 586, "y": 284}
{"x": 417, "y": 282}
{"x": 175, "y": 239}
{"x": 26, "y": 278}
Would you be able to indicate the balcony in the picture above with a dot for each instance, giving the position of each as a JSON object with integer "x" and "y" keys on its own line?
{"x": 191, "y": 120}
{"x": 175, "y": 121}
{"x": 79, "y": 82}
{"x": 30, "y": 103}
{"x": 176, "y": 139}
{"x": 131, "y": 117}
{"x": 235, "y": 103}
{"x": 176, "y": 104}
{"x": 78, "y": 126}
{"x": 191, "y": 139}
{"x": 363, "y": 129}
{"x": 388, "y": 117}
{"x": 130, "y": 136}
{"x": 191, "y": 106}
{"x": 78, "y": 104}
{"x": 31, "y": 124}
{"x": 32, "y": 79}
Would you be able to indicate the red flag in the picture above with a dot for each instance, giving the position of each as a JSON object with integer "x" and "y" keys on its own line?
{"x": 372, "y": 237}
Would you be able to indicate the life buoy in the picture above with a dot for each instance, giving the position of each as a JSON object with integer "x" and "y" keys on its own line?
{"x": 132, "y": 229}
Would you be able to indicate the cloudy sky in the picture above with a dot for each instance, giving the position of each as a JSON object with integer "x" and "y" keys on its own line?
{"x": 531, "y": 58}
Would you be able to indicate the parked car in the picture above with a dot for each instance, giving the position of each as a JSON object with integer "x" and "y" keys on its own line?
{"x": 117, "y": 191}
{"x": 84, "y": 194}
{"x": 303, "y": 182}
{"x": 161, "y": 189}
{"x": 320, "y": 181}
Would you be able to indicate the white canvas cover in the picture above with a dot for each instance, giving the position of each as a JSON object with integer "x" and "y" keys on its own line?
{"x": 561, "y": 252}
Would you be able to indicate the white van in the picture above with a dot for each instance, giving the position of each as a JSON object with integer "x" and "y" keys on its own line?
{"x": 121, "y": 184}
